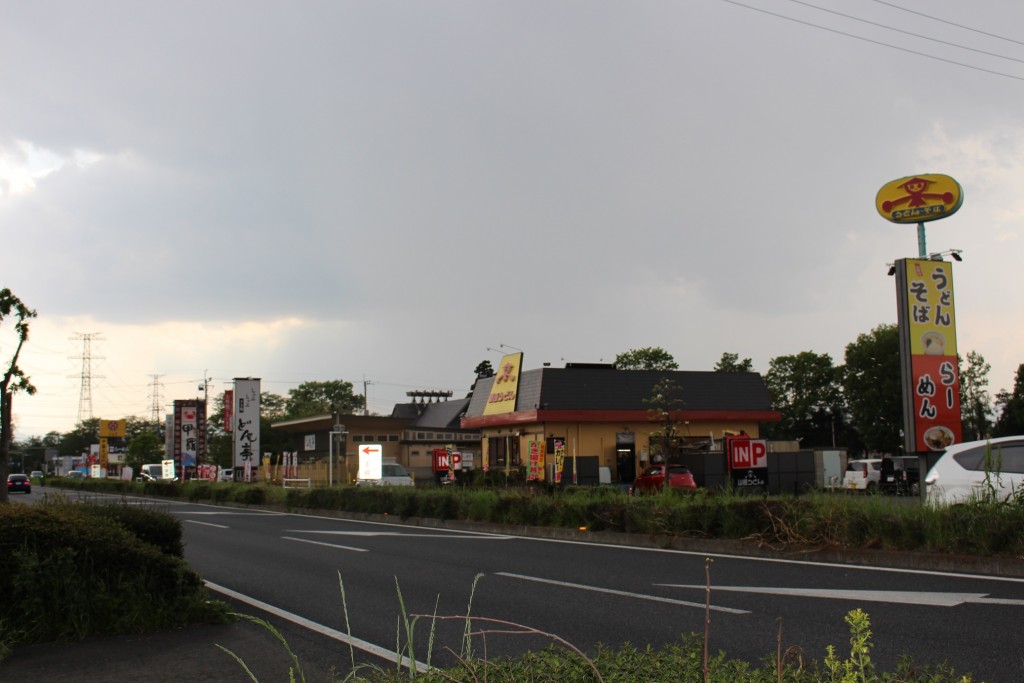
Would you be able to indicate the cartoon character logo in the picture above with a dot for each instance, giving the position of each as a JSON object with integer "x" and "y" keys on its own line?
{"x": 919, "y": 198}
{"x": 916, "y": 195}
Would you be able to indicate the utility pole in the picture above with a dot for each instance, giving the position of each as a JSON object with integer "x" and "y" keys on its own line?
{"x": 205, "y": 388}
{"x": 85, "y": 393}
{"x": 366, "y": 403}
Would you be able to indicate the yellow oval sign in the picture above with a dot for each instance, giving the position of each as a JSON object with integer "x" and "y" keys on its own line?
{"x": 919, "y": 198}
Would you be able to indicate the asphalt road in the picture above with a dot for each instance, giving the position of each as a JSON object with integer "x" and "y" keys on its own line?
{"x": 590, "y": 593}
{"x": 291, "y": 569}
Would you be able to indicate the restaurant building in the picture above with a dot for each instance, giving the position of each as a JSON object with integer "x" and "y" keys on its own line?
{"x": 593, "y": 421}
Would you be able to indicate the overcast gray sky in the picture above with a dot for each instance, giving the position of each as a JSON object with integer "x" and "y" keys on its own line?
{"x": 382, "y": 190}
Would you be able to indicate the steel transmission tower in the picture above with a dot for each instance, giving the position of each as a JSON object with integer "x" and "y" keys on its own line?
{"x": 85, "y": 394}
{"x": 156, "y": 416}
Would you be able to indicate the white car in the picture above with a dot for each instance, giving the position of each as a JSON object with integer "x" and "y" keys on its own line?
{"x": 391, "y": 474}
{"x": 978, "y": 471}
{"x": 863, "y": 474}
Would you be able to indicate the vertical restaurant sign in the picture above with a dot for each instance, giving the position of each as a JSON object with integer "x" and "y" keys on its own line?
{"x": 189, "y": 427}
{"x": 229, "y": 407}
{"x": 246, "y": 423}
{"x": 919, "y": 198}
{"x": 535, "y": 471}
{"x": 505, "y": 387}
{"x": 559, "y": 459}
{"x": 189, "y": 433}
{"x": 109, "y": 429}
{"x": 928, "y": 355}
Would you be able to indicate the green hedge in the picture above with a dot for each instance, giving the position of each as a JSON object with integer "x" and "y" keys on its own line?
{"x": 69, "y": 571}
{"x": 817, "y": 520}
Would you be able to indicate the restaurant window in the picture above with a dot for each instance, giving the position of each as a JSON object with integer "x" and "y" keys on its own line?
{"x": 504, "y": 451}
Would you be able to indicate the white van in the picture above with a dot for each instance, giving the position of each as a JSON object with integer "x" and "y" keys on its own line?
{"x": 978, "y": 471}
{"x": 391, "y": 474}
{"x": 863, "y": 474}
{"x": 153, "y": 472}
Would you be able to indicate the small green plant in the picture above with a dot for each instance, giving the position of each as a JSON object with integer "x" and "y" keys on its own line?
{"x": 858, "y": 667}
{"x": 993, "y": 465}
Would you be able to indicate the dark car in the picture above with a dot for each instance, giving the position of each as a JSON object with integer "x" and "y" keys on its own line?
{"x": 652, "y": 479}
{"x": 19, "y": 482}
{"x": 905, "y": 478}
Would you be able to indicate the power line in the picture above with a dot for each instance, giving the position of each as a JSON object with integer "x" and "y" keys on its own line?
{"x": 906, "y": 32}
{"x": 949, "y": 23}
{"x": 874, "y": 42}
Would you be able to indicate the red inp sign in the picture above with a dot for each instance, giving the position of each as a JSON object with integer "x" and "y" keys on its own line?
{"x": 748, "y": 454}
{"x": 445, "y": 460}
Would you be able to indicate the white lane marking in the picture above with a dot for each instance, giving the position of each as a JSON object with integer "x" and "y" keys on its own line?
{"x": 329, "y": 545}
{"x": 778, "y": 560}
{"x": 320, "y": 628}
{"x": 671, "y": 551}
{"x": 219, "y": 526}
{"x": 626, "y": 594}
{"x": 469, "y": 535}
{"x": 897, "y": 597}
{"x": 235, "y": 513}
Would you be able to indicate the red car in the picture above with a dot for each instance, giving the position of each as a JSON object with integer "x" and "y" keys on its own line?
{"x": 652, "y": 479}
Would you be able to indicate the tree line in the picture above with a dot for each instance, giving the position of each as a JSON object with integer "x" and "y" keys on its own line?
{"x": 858, "y": 404}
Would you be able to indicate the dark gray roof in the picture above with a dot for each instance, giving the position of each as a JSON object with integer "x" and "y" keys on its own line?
{"x": 440, "y": 415}
{"x": 607, "y": 389}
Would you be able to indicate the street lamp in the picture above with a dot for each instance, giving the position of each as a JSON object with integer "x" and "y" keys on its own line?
{"x": 954, "y": 253}
{"x": 339, "y": 430}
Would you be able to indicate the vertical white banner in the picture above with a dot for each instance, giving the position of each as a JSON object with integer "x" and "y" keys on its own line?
{"x": 246, "y": 423}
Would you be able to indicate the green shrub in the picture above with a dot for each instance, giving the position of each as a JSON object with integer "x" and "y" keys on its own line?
{"x": 75, "y": 572}
{"x": 984, "y": 527}
{"x": 146, "y": 524}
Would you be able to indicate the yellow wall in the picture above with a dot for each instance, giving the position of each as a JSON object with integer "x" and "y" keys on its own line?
{"x": 583, "y": 439}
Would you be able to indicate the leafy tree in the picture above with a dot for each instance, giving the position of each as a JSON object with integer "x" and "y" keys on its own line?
{"x": 730, "y": 362}
{"x": 144, "y": 447}
{"x": 484, "y": 369}
{"x": 273, "y": 406}
{"x": 1011, "y": 408}
{"x": 975, "y": 402}
{"x": 14, "y": 380}
{"x": 806, "y": 389}
{"x": 666, "y": 405}
{"x": 78, "y": 440}
{"x": 32, "y": 452}
{"x": 219, "y": 449}
{"x": 320, "y": 398}
{"x": 648, "y": 358}
{"x": 135, "y": 425}
{"x": 871, "y": 383}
